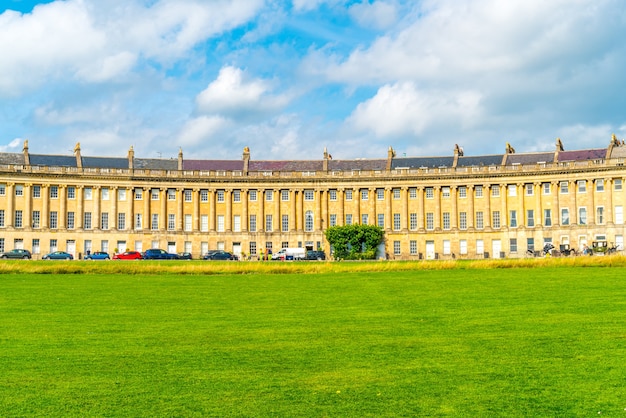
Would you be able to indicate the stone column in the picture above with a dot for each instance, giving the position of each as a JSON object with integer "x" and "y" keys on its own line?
{"x": 454, "y": 216}
{"x": 371, "y": 209}
{"x": 28, "y": 216}
{"x": 163, "y": 222}
{"x": 10, "y": 215}
{"x": 228, "y": 217}
{"x": 261, "y": 220}
{"x": 471, "y": 216}
{"x": 131, "y": 209}
{"x": 318, "y": 216}
{"x": 279, "y": 221}
{"x": 573, "y": 217}
{"x": 522, "y": 208}
{"x": 195, "y": 217}
{"x": 212, "y": 213}
{"x": 388, "y": 209}
{"x": 608, "y": 189}
{"x": 292, "y": 221}
{"x": 487, "y": 196}
{"x": 420, "y": 209}
{"x": 62, "y": 207}
{"x": 45, "y": 212}
{"x": 539, "y": 208}
{"x": 504, "y": 216}
{"x": 80, "y": 212}
{"x": 244, "y": 210}
{"x": 147, "y": 196}
{"x": 341, "y": 218}
{"x": 591, "y": 213}
{"x": 324, "y": 209}
{"x": 95, "y": 216}
{"x": 437, "y": 212}
{"x": 556, "y": 217}
{"x": 356, "y": 217}
{"x": 113, "y": 218}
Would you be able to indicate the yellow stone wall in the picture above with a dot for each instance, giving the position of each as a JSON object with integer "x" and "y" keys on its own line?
{"x": 432, "y": 196}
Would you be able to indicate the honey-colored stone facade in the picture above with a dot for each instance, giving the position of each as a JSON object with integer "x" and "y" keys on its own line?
{"x": 471, "y": 211}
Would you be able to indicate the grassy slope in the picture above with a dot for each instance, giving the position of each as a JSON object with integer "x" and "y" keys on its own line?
{"x": 471, "y": 342}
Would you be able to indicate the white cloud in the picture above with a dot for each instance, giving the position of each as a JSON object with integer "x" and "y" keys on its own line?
{"x": 97, "y": 41}
{"x": 52, "y": 42}
{"x": 380, "y": 14}
{"x": 11, "y": 146}
{"x": 234, "y": 94}
{"x": 307, "y": 5}
{"x": 401, "y": 109}
{"x": 107, "y": 68}
{"x": 55, "y": 114}
{"x": 584, "y": 136}
{"x": 200, "y": 130}
{"x": 170, "y": 28}
{"x": 453, "y": 41}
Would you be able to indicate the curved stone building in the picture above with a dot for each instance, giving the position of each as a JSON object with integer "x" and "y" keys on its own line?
{"x": 453, "y": 206}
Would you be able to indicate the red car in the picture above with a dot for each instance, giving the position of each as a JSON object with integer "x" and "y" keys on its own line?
{"x": 128, "y": 255}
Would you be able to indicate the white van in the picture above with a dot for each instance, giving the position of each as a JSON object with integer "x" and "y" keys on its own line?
{"x": 289, "y": 254}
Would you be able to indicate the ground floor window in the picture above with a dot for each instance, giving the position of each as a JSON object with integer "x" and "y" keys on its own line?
{"x": 463, "y": 247}
{"x": 480, "y": 247}
{"x": 446, "y": 247}
{"x": 36, "y": 249}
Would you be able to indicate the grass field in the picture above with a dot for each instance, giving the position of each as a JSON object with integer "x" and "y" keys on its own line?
{"x": 547, "y": 341}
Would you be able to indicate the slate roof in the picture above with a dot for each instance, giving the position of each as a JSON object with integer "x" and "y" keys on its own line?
{"x": 417, "y": 162}
{"x": 303, "y": 165}
{"x": 481, "y": 160}
{"x": 532, "y": 158}
{"x": 11, "y": 158}
{"x": 582, "y": 155}
{"x": 104, "y": 162}
{"x": 310, "y": 165}
{"x": 155, "y": 164}
{"x": 52, "y": 160}
{"x": 349, "y": 165}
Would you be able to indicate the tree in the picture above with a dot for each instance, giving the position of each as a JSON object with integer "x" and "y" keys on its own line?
{"x": 355, "y": 242}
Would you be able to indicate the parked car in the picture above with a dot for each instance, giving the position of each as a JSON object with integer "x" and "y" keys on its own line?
{"x": 97, "y": 255}
{"x": 158, "y": 254}
{"x": 17, "y": 253}
{"x": 315, "y": 255}
{"x": 219, "y": 255}
{"x": 128, "y": 255}
{"x": 58, "y": 255}
{"x": 184, "y": 256}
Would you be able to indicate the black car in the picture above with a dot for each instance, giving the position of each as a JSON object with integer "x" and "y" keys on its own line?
{"x": 315, "y": 255}
{"x": 158, "y": 254}
{"x": 219, "y": 255}
{"x": 184, "y": 256}
{"x": 17, "y": 254}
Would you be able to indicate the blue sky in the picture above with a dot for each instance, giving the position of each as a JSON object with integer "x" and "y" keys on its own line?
{"x": 288, "y": 78}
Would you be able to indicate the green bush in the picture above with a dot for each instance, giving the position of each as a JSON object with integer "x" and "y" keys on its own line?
{"x": 354, "y": 242}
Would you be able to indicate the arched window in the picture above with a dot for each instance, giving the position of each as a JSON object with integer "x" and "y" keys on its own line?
{"x": 308, "y": 221}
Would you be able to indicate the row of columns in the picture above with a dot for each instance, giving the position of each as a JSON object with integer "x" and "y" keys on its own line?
{"x": 296, "y": 212}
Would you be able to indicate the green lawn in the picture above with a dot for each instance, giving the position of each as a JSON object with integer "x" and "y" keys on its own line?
{"x": 501, "y": 342}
